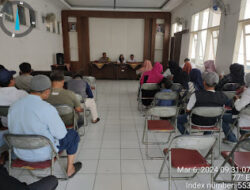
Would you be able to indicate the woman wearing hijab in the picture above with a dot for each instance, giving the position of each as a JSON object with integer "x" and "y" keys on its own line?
{"x": 196, "y": 82}
{"x": 153, "y": 76}
{"x": 236, "y": 75}
{"x": 209, "y": 66}
{"x": 147, "y": 66}
{"x": 187, "y": 66}
{"x": 179, "y": 76}
{"x": 121, "y": 59}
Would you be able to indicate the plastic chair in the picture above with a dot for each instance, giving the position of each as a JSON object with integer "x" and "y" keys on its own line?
{"x": 160, "y": 126}
{"x": 92, "y": 82}
{"x": 188, "y": 152}
{"x": 207, "y": 112}
{"x": 146, "y": 87}
{"x": 30, "y": 142}
{"x": 238, "y": 160}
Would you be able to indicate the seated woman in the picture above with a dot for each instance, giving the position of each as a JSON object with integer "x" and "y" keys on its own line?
{"x": 236, "y": 75}
{"x": 153, "y": 76}
{"x": 187, "y": 66}
{"x": 209, "y": 66}
{"x": 196, "y": 82}
{"x": 147, "y": 66}
{"x": 121, "y": 60}
{"x": 178, "y": 76}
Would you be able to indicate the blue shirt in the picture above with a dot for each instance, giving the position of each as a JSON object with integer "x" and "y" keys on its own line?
{"x": 31, "y": 115}
{"x": 165, "y": 102}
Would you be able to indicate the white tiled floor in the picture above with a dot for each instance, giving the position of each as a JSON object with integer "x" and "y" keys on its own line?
{"x": 112, "y": 154}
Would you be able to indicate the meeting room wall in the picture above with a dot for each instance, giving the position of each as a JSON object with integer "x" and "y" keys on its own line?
{"x": 39, "y": 47}
{"x": 228, "y": 30}
{"x": 116, "y": 36}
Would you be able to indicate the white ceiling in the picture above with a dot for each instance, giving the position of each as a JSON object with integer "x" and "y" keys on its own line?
{"x": 146, "y": 5}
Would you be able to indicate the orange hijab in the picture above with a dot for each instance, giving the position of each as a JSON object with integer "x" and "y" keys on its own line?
{"x": 187, "y": 67}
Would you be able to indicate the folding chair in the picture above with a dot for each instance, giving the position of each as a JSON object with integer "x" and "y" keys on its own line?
{"x": 31, "y": 142}
{"x": 238, "y": 160}
{"x": 146, "y": 87}
{"x": 92, "y": 82}
{"x": 231, "y": 87}
{"x": 207, "y": 112}
{"x": 245, "y": 111}
{"x": 65, "y": 110}
{"x": 3, "y": 113}
{"x": 85, "y": 109}
{"x": 190, "y": 153}
{"x": 153, "y": 124}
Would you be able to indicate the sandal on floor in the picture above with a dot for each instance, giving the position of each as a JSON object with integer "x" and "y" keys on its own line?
{"x": 78, "y": 166}
{"x": 97, "y": 120}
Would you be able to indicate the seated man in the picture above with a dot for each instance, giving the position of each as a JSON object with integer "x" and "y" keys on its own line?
{"x": 8, "y": 95}
{"x": 203, "y": 98}
{"x": 60, "y": 96}
{"x": 82, "y": 88}
{"x": 132, "y": 59}
{"x": 32, "y": 115}
{"x": 9, "y": 182}
{"x": 104, "y": 58}
{"x": 244, "y": 121}
{"x": 24, "y": 79}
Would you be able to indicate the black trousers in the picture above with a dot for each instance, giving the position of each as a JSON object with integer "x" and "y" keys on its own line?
{"x": 47, "y": 183}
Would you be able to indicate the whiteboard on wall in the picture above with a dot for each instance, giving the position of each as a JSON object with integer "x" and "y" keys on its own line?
{"x": 116, "y": 36}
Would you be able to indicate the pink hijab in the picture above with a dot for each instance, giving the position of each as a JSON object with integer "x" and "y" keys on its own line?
{"x": 154, "y": 76}
{"x": 209, "y": 66}
{"x": 147, "y": 66}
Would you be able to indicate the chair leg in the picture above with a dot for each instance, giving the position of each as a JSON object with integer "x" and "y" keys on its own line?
{"x": 9, "y": 165}
{"x": 170, "y": 172}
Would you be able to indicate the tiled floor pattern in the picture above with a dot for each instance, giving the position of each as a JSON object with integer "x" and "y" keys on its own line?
{"x": 112, "y": 154}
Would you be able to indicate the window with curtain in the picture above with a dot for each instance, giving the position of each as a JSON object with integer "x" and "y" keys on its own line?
{"x": 242, "y": 47}
{"x": 204, "y": 36}
{"x": 176, "y": 28}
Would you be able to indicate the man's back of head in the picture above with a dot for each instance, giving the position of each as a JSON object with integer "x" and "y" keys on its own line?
{"x": 25, "y": 68}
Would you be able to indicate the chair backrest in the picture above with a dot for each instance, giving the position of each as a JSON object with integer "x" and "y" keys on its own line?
{"x": 91, "y": 80}
{"x": 166, "y": 96}
{"x": 176, "y": 87}
{"x": 4, "y": 111}
{"x": 27, "y": 142}
{"x": 208, "y": 111}
{"x": 150, "y": 86}
{"x": 231, "y": 86}
{"x": 79, "y": 97}
{"x": 230, "y": 94}
{"x": 159, "y": 111}
{"x": 245, "y": 144}
{"x": 200, "y": 143}
{"x": 64, "y": 109}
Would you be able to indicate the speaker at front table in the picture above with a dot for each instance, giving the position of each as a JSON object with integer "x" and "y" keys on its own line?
{"x": 60, "y": 59}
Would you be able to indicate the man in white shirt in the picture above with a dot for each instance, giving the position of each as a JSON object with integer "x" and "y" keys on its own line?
{"x": 8, "y": 95}
{"x": 132, "y": 59}
{"x": 8, "y": 92}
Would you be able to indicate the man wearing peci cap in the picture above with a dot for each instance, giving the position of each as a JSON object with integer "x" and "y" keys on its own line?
{"x": 32, "y": 115}
{"x": 203, "y": 98}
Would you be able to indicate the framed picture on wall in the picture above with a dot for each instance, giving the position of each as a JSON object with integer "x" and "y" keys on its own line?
{"x": 8, "y": 11}
{"x": 160, "y": 28}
